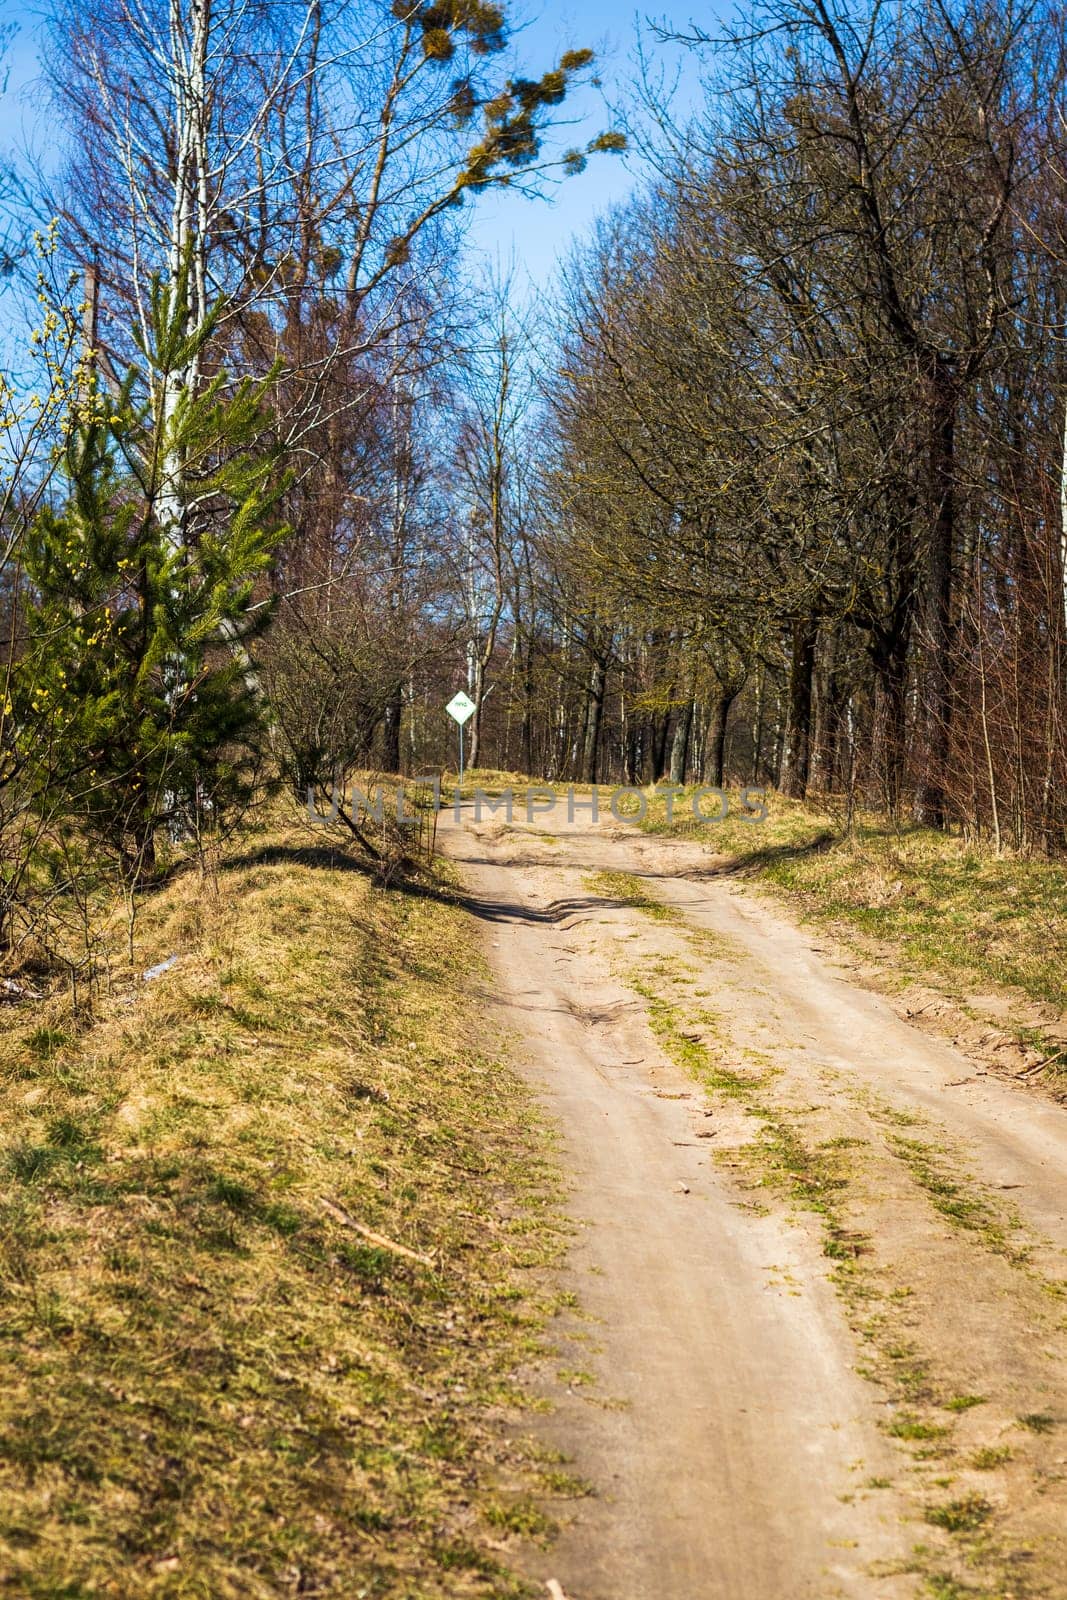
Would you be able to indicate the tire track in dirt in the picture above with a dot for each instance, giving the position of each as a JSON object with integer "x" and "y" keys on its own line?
{"x": 734, "y": 1447}
{"x": 743, "y": 1454}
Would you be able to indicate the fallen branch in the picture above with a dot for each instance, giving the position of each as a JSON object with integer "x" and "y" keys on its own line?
{"x": 358, "y": 834}
{"x": 1039, "y": 1066}
{"x": 379, "y": 1239}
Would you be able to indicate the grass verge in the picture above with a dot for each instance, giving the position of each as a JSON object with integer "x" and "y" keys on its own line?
{"x": 271, "y": 1232}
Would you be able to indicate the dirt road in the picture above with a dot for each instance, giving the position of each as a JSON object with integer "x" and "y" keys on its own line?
{"x": 819, "y": 1259}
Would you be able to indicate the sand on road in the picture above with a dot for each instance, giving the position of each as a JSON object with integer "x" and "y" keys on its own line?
{"x": 818, "y": 1345}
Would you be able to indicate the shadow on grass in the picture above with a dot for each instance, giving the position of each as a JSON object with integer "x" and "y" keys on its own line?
{"x": 736, "y": 865}
{"x": 339, "y": 858}
{"x": 333, "y": 858}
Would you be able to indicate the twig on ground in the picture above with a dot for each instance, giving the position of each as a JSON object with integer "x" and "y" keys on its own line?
{"x": 379, "y": 1239}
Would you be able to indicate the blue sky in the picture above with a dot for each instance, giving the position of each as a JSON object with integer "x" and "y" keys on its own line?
{"x": 534, "y": 233}
{"x": 538, "y": 233}
{"x": 20, "y": 68}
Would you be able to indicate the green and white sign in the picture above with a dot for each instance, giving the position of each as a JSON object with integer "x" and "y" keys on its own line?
{"x": 460, "y": 708}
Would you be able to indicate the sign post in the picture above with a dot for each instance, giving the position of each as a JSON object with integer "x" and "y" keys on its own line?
{"x": 460, "y": 708}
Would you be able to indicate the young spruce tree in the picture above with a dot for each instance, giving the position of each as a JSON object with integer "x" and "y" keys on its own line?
{"x": 141, "y": 579}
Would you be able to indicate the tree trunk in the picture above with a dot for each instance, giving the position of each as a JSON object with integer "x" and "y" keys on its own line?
{"x": 526, "y": 733}
{"x": 890, "y": 648}
{"x": 757, "y": 725}
{"x": 894, "y": 685}
{"x": 796, "y": 759}
{"x": 394, "y": 713}
{"x": 827, "y": 717}
{"x": 476, "y": 686}
{"x": 594, "y": 712}
{"x": 931, "y": 801}
{"x": 827, "y": 739}
{"x": 632, "y": 749}
{"x": 715, "y": 740}
{"x": 1063, "y": 519}
{"x": 659, "y": 747}
{"x": 680, "y": 743}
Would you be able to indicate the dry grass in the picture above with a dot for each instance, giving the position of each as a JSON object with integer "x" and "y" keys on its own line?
{"x": 210, "y": 1385}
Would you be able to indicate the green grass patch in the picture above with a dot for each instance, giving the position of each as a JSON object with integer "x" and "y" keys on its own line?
{"x": 957, "y": 1201}
{"x": 990, "y": 1457}
{"x": 779, "y": 1158}
{"x": 942, "y": 1586}
{"x": 626, "y": 889}
{"x": 915, "y": 1429}
{"x": 967, "y": 1515}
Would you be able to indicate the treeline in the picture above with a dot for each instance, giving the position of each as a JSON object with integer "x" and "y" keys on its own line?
{"x": 788, "y": 501}
{"x": 253, "y": 437}
{"x": 774, "y": 489}
{"x": 809, "y": 422}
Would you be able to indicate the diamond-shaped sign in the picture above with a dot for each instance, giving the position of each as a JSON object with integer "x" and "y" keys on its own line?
{"x": 460, "y": 708}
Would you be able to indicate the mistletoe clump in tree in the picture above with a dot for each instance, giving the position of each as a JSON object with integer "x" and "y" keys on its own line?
{"x": 141, "y": 581}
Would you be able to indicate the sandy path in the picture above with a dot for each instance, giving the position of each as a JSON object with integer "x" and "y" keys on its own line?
{"x": 1016, "y": 1139}
{"x": 735, "y": 1449}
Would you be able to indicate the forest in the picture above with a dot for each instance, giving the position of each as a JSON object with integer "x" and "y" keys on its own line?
{"x": 782, "y": 500}
{"x": 600, "y": 1205}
